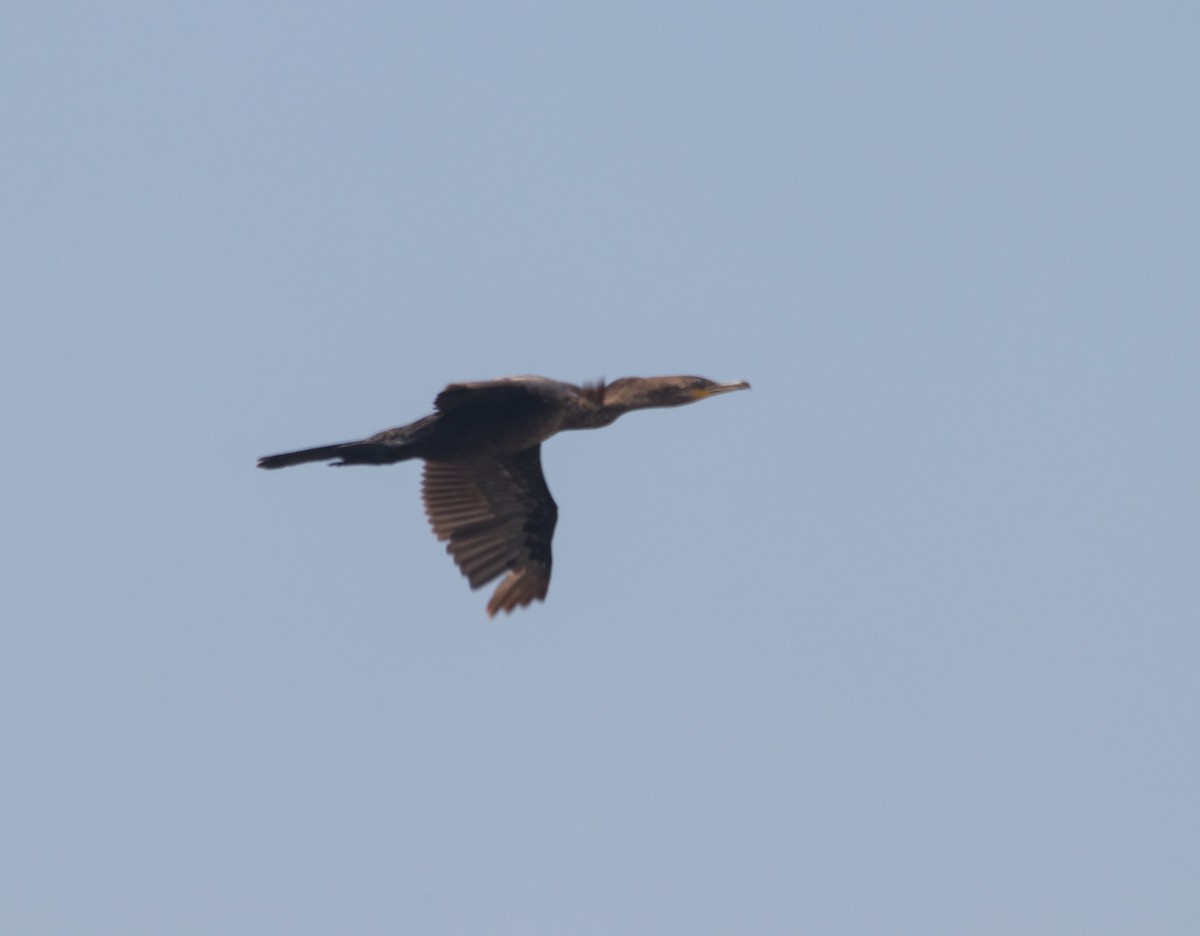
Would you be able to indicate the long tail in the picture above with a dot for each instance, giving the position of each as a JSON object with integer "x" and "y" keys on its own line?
{"x": 365, "y": 452}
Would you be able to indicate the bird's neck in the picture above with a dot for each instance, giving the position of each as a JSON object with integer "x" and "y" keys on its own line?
{"x": 593, "y": 417}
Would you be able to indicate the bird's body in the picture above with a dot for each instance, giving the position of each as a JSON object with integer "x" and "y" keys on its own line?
{"x": 483, "y": 486}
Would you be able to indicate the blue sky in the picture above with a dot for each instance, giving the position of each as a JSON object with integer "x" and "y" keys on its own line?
{"x": 902, "y": 641}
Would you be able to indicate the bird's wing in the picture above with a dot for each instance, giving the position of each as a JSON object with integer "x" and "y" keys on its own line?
{"x": 498, "y": 516}
{"x": 505, "y": 391}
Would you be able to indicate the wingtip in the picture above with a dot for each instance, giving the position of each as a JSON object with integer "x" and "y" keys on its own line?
{"x": 518, "y": 589}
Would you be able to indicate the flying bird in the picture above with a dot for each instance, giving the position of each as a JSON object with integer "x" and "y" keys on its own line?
{"x": 483, "y": 487}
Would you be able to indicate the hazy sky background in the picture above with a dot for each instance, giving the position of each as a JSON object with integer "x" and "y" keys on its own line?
{"x": 903, "y": 641}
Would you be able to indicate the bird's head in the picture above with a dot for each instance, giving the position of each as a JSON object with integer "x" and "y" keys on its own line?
{"x": 644, "y": 392}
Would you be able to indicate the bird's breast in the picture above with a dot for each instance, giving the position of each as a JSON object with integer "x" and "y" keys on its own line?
{"x": 462, "y": 436}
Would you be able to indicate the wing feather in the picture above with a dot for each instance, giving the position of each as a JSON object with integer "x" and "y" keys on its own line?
{"x": 496, "y": 515}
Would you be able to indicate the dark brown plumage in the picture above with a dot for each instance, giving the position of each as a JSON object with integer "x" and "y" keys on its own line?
{"x": 483, "y": 487}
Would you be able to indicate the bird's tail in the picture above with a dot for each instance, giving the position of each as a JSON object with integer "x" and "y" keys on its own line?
{"x": 365, "y": 452}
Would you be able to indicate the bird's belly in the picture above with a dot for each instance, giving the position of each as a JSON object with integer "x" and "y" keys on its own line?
{"x": 463, "y": 440}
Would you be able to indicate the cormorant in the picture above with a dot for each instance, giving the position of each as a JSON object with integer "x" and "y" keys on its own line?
{"x": 483, "y": 486}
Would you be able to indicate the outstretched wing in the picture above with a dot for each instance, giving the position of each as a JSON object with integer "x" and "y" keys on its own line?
{"x": 498, "y": 516}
